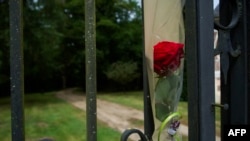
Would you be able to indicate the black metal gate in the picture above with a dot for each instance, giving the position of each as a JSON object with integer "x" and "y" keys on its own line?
{"x": 234, "y": 29}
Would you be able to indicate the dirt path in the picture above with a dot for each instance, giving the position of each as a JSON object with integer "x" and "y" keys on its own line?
{"x": 114, "y": 115}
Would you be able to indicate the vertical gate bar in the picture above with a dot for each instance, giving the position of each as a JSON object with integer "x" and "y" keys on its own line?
{"x": 200, "y": 69}
{"x": 238, "y": 79}
{"x": 236, "y": 91}
{"x": 248, "y": 55}
{"x": 90, "y": 62}
{"x": 225, "y": 119}
{"x": 192, "y": 70}
{"x": 206, "y": 68}
{"x": 16, "y": 70}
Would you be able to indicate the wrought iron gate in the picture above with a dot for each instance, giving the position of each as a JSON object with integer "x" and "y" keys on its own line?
{"x": 234, "y": 27}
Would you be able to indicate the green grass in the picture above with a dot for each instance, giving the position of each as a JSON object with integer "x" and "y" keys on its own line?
{"x": 130, "y": 99}
{"x": 135, "y": 100}
{"x": 47, "y": 116}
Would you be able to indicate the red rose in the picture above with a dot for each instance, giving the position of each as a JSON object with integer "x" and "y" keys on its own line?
{"x": 167, "y": 57}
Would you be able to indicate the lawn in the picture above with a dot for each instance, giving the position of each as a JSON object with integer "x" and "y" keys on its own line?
{"x": 135, "y": 100}
{"x": 48, "y": 116}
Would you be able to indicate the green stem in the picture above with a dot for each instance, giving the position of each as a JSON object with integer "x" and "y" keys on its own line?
{"x": 166, "y": 121}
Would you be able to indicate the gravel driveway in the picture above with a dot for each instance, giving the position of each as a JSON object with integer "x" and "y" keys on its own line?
{"x": 114, "y": 115}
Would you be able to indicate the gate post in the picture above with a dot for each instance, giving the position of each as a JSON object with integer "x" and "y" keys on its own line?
{"x": 200, "y": 69}
{"x": 235, "y": 91}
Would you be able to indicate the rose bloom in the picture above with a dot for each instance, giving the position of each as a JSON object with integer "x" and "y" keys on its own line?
{"x": 167, "y": 57}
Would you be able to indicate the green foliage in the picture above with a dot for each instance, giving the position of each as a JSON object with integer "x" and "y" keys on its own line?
{"x": 119, "y": 36}
{"x": 54, "y": 41}
{"x": 133, "y": 99}
{"x": 41, "y": 44}
{"x": 123, "y": 72}
{"x": 4, "y": 43}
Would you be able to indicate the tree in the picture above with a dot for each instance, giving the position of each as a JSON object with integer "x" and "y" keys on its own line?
{"x": 4, "y": 49}
{"x": 54, "y": 53}
{"x": 41, "y": 44}
{"x": 71, "y": 53}
{"x": 123, "y": 72}
{"x": 119, "y": 34}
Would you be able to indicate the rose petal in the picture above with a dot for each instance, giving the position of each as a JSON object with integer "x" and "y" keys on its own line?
{"x": 167, "y": 57}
